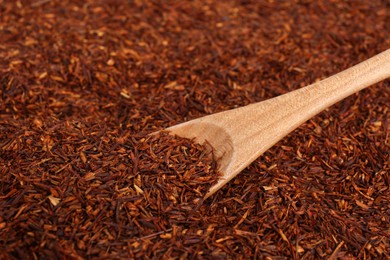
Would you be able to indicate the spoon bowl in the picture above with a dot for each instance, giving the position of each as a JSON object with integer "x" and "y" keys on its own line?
{"x": 241, "y": 135}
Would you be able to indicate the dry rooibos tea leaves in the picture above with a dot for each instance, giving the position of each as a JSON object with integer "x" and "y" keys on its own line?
{"x": 82, "y": 82}
{"x": 96, "y": 199}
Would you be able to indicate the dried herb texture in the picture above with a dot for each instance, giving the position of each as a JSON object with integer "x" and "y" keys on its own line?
{"x": 82, "y": 82}
{"x": 95, "y": 200}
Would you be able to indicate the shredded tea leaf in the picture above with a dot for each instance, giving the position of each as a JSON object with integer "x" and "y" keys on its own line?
{"x": 83, "y": 84}
{"x": 140, "y": 188}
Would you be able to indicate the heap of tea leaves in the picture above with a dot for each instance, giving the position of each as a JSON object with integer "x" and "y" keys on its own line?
{"x": 83, "y": 84}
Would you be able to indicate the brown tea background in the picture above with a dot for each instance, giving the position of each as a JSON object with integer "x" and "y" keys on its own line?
{"x": 79, "y": 79}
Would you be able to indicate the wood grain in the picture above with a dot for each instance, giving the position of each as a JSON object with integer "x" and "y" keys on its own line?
{"x": 241, "y": 135}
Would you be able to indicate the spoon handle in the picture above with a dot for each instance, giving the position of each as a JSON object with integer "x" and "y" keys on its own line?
{"x": 257, "y": 127}
{"x": 302, "y": 104}
{"x": 319, "y": 96}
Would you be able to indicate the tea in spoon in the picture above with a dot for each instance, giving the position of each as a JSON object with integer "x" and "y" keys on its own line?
{"x": 241, "y": 135}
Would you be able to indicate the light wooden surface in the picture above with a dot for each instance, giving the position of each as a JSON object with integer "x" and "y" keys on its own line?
{"x": 241, "y": 135}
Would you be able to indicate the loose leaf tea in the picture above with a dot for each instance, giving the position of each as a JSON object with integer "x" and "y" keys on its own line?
{"x": 101, "y": 197}
{"x": 83, "y": 84}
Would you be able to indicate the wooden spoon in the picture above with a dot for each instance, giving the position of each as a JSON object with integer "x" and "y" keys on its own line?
{"x": 240, "y": 135}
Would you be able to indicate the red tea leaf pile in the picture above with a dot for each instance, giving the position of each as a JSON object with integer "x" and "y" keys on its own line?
{"x": 97, "y": 198}
{"x": 83, "y": 83}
